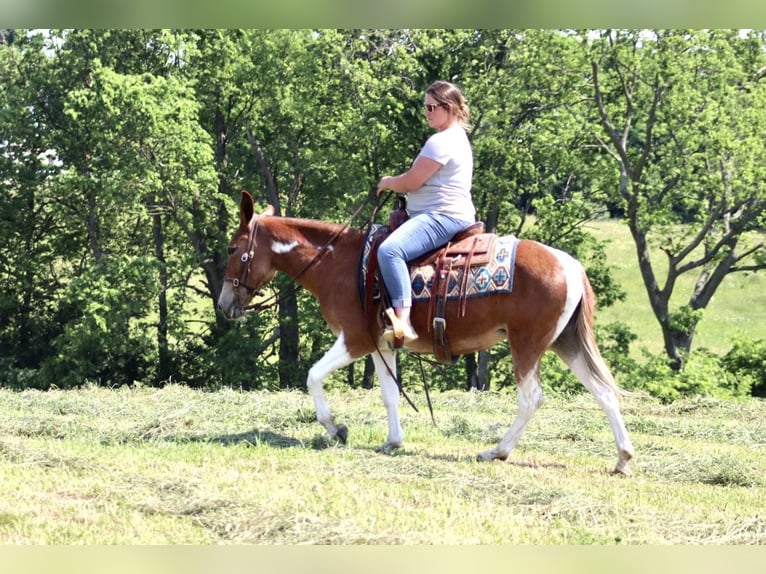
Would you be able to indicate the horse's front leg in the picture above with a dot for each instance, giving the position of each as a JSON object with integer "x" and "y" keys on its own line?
{"x": 336, "y": 358}
{"x": 390, "y": 392}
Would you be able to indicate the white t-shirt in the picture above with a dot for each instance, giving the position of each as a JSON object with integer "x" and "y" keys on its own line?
{"x": 448, "y": 190}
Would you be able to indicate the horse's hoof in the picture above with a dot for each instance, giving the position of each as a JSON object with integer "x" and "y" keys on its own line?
{"x": 341, "y": 434}
{"x": 489, "y": 456}
{"x": 622, "y": 470}
{"x": 389, "y": 448}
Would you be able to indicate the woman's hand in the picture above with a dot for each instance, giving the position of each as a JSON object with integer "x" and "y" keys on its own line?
{"x": 385, "y": 183}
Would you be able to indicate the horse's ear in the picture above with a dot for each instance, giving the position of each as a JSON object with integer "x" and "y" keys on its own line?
{"x": 269, "y": 210}
{"x": 246, "y": 209}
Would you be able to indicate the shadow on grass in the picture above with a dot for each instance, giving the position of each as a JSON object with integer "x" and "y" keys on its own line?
{"x": 257, "y": 437}
{"x": 267, "y": 438}
{"x": 253, "y": 437}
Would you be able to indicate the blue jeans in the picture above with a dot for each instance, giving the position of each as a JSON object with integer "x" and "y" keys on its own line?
{"x": 415, "y": 237}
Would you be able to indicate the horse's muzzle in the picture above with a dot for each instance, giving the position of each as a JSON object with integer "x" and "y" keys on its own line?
{"x": 230, "y": 308}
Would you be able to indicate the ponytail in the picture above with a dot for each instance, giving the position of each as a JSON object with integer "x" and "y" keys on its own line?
{"x": 450, "y": 95}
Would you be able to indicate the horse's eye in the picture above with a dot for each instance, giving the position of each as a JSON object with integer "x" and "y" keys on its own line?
{"x": 232, "y": 249}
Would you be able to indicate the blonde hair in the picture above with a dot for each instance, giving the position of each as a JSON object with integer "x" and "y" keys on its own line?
{"x": 448, "y": 94}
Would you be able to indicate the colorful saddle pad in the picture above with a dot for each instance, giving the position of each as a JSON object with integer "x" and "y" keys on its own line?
{"x": 494, "y": 277}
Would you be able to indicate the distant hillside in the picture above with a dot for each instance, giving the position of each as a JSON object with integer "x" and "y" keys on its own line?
{"x": 738, "y": 308}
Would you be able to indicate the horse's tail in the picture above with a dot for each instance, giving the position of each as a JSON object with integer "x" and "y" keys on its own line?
{"x": 586, "y": 338}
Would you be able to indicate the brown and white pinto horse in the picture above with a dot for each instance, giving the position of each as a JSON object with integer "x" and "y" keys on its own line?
{"x": 551, "y": 307}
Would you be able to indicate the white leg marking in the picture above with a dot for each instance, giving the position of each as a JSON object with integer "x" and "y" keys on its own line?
{"x": 336, "y": 358}
{"x": 390, "y": 393}
{"x": 611, "y": 406}
{"x": 530, "y": 398}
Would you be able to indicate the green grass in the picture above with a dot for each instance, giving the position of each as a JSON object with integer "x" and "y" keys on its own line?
{"x": 179, "y": 466}
{"x": 738, "y": 307}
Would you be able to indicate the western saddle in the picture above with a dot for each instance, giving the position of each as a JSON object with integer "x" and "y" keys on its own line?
{"x": 470, "y": 247}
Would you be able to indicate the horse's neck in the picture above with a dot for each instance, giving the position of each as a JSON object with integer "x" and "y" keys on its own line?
{"x": 304, "y": 249}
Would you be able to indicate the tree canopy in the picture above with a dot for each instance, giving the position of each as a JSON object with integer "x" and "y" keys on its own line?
{"x": 123, "y": 152}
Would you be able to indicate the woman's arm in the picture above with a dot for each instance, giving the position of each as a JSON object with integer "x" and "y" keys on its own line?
{"x": 412, "y": 179}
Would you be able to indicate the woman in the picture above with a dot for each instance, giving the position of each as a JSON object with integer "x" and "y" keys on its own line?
{"x": 438, "y": 188}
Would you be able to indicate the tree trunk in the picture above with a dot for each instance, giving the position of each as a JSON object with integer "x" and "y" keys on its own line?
{"x": 164, "y": 368}
{"x": 484, "y": 362}
{"x": 368, "y": 377}
{"x": 93, "y": 228}
{"x": 471, "y": 373}
{"x": 368, "y": 374}
{"x": 477, "y": 370}
{"x": 290, "y": 372}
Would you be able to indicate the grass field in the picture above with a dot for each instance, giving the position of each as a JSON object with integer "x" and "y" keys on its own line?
{"x": 178, "y": 466}
{"x": 738, "y": 307}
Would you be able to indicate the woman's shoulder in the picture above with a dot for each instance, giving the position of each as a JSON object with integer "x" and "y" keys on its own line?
{"x": 450, "y": 135}
{"x": 453, "y": 131}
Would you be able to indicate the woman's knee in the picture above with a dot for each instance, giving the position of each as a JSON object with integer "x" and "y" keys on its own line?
{"x": 389, "y": 251}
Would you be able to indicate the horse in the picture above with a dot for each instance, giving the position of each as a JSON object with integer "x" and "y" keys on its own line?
{"x": 551, "y": 306}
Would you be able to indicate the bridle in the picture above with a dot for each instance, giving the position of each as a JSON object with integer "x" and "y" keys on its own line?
{"x": 246, "y": 258}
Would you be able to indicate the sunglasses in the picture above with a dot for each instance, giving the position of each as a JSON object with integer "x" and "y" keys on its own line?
{"x": 431, "y": 107}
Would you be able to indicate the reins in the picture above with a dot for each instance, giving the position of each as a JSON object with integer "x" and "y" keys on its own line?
{"x": 278, "y": 298}
{"x": 322, "y": 250}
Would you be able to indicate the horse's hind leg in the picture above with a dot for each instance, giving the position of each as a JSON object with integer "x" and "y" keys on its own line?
{"x": 610, "y": 403}
{"x": 594, "y": 374}
{"x": 335, "y": 358}
{"x": 530, "y": 395}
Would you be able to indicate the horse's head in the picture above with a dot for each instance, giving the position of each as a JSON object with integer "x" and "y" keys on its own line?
{"x": 249, "y": 265}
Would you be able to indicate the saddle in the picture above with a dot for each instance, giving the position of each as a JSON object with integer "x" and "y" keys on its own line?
{"x": 469, "y": 247}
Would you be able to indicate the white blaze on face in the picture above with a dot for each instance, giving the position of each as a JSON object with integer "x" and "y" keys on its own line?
{"x": 226, "y": 300}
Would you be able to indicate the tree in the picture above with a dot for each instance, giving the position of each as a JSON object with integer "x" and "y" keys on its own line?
{"x": 681, "y": 114}
{"x": 30, "y": 228}
{"x": 125, "y": 164}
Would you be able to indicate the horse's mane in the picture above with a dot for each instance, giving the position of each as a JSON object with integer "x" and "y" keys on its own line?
{"x": 317, "y": 231}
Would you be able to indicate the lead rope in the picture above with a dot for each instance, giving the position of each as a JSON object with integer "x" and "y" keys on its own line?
{"x": 375, "y": 343}
{"x": 322, "y": 250}
{"x": 295, "y": 286}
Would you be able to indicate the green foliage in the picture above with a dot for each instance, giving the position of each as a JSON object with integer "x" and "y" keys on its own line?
{"x": 123, "y": 149}
{"x": 17, "y": 378}
{"x": 241, "y": 358}
{"x": 704, "y": 374}
{"x": 614, "y": 341}
{"x": 106, "y": 336}
{"x": 685, "y": 319}
{"x": 747, "y": 358}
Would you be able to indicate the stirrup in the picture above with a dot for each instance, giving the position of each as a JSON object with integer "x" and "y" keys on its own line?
{"x": 399, "y": 331}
